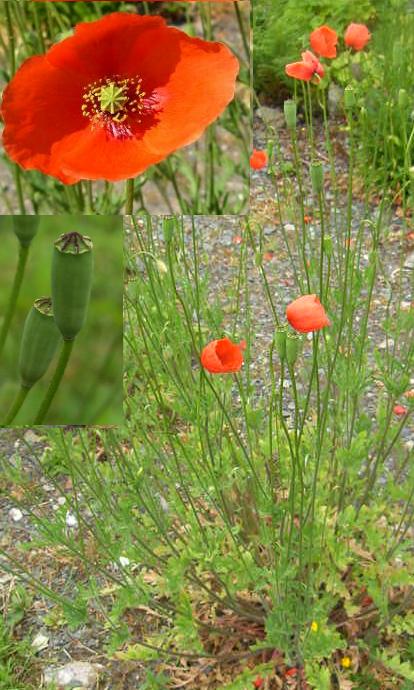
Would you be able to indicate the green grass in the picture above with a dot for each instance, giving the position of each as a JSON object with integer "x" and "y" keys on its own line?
{"x": 18, "y": 666}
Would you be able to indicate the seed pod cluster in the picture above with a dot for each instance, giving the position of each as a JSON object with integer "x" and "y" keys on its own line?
{"x": 39, "y": 342}
{"x": 25, "y": 228}
{"x": 72, "y": 269}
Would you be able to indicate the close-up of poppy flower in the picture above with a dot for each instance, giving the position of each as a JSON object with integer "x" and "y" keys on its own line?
{"x": 305, "y": 70}
{"x": 357, "y": 36}
{"x": 306, "y": 314}
{"x": 323, "y": 41}
{"x": 119, "y": 95}
{"x": 258, "y": 159}
{"x": 222, "y": 356}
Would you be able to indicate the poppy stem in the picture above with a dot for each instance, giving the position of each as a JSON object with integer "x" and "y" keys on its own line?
{"x": 12, "y": 58}
{"x": 129, "y": 203}
{"x": 17, "y": 283}
{"x": 18, "y": 402}
{"x": 242, "y": 30}
{"x": 55, "y": 382}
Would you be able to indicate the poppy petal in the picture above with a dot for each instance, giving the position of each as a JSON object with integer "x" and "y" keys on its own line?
{"x": 323, "y": 41}
{"x": 299, "y": 70}
{"x": 176, "y": 86}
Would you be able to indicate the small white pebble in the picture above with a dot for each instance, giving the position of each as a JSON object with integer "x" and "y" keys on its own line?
{"x": 124, "y": 561}
{"x": 40, "y": 642}
{"x": 71, "y": 520}
{"x": 61, "y": 500}
{"x": 15, "y": 514}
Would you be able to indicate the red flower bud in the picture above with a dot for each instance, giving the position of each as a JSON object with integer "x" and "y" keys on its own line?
{"x": 306, "y": 314}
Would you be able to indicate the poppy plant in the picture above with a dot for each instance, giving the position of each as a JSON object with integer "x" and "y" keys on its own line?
{"x": 222, "y": 356}
{"x": 323, "y": 41}
{"x": 258, "y": 159}
{"x": 306, "y": 314}
{"x": 117, "y": 96}
{"x": 357, "y": 36}
{"x": 305, "y": 70}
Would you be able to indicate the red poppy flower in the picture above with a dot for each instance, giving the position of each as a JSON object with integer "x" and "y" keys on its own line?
{"x": 258, "y": 159}
{"x": 258, "y": 682}
{"x": 119, "y": 95}
{"x": 307, "y": 314}
{"x": 291, "y": 672}
{"x": 222, "y": 357}
{"x": 400, "y": 410}
{"x": 357, "y": 36}
{"x": 307, "y": 69}
{"x": 323, "y": 41}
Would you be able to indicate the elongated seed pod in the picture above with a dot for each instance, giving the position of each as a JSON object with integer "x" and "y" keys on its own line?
{"x": 25, "y": 227}
{"x": 72, "y": 269}
{"x": 40, "y": 339}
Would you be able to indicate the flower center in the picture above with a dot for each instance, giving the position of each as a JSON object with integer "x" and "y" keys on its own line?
{"x": 115, "y": 103}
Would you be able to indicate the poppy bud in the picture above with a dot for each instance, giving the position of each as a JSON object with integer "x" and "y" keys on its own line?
{"x": 293, "y": 343}
{"x": 289, "y": 108}
{"x": 168, "y": 227}
{"x": 39, "y": 342}
{"x": 317, "y": 177}
{"x": 306, "y": 314}
{"x": 280, "y": 342}
{"x": 349, "y": 98}
{"x": 72, "y": 268}
{"x": 403, "y": 99}
{"x": 25, "y": 228}
{"x": 327, "y": 245}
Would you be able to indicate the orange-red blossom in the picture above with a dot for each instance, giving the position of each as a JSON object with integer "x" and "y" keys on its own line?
{"x": 222, "y": 356}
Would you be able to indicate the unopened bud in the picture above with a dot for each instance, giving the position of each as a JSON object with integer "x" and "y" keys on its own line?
{"x": 289, "y": 108}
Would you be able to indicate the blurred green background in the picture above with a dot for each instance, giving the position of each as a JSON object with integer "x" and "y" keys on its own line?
{"x": 91, "y": 391}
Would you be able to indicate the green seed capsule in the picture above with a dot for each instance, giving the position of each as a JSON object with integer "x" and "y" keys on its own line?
{"x": 39, "y": 342}
{"x": 317, "y": 177}
{"x": 328, "y": 245}
{"x": 403, "y": 100}
{"x": 349, "y": 98}
{"x": 280, "y": 342}
{"x": 168, "y": 227}
{"x": 72, "y": 269}
{"x": 25, "y": 228}
{"x": 289, "y": 108}
{"x": 293, "y": 343}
